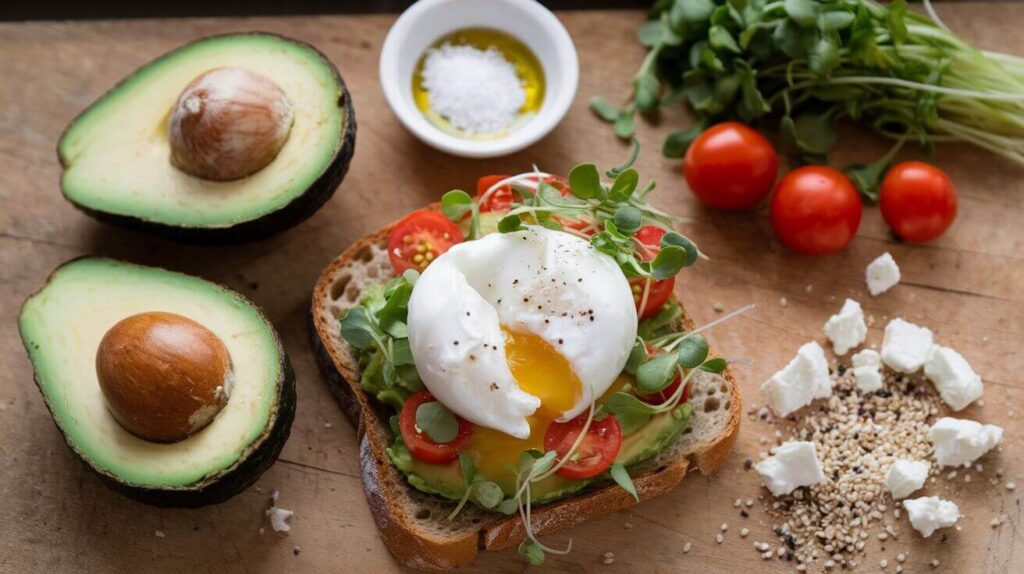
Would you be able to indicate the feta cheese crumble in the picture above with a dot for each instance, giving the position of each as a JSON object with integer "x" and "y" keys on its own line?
{"x": 906, "y": 476}
{"x": 962, "y": 441}
{"x": 804, "y": 379}
{"x": 279, "y": 517}
{"x": 867, "y": 366}
{"x": 795, "y": 464}
{"x": 847, "y": 329}
{"x": 953, "y": 377}
{"x": 882, "y": 274}
{"x": 478, "y": 91}
{"x": 929, "y": 513}
{"x": 906, "y": 346}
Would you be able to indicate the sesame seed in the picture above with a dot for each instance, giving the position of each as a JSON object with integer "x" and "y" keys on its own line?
{"x": 724, "y": 527}
{"x": 901, "y": 557}
{"x": 1010, "y": 486}
{"x": 628, "y": 525}
{"x": 883, "y": 563}
{"x": 719, "y": 538}
{"x": 687, "y": 547}
{"x": 738, "y": 503}
{"x": 744, "y": 532}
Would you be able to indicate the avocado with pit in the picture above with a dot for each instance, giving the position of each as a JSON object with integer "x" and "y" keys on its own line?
{"x": 226, "y": 139}
{"x": 176, "y": 391}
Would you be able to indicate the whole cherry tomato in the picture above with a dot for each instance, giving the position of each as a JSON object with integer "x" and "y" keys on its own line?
{"x": 918, "y": 201}
{"x": 815, "y": 210}
{"x": 730, "y": 166}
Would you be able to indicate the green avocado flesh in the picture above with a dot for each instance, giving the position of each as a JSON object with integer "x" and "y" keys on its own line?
{"x": 116, "y": 155}
{"x": 62, "y": 326}
{"x": 446, "y": 479}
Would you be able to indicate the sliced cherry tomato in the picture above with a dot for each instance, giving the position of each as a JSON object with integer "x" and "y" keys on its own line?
{"x": 597, "y": 450}
{"x": 665, "y": 394}
{"x": 815, "y": 210}
{"x": 730, "y": 166}
{"x": 419, "y": 238}
{"x": 501, "y": 199}
{"x": 918, "y": 201}
{"x": 659, "y": 291}
{"x": 420, "y": 445}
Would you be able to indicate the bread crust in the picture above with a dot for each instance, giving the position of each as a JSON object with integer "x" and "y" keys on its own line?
{"x": 415, "y": 547}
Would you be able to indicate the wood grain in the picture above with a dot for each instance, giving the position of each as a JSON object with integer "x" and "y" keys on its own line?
{"x": 58, "y": 518}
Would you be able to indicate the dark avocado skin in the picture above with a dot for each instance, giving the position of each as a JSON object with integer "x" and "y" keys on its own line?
{"x": 227, "y": 483}
{"x": 297, "y": 211}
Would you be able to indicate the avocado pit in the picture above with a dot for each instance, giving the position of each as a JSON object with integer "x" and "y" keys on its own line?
{"x": 228, "y": 123}
{"x": 163, "y": 375}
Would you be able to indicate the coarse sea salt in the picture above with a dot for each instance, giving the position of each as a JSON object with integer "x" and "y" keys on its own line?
{"x": 477, "y": 91}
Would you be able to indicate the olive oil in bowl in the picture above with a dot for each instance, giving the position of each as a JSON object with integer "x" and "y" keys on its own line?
{"x": 478, "y": 83}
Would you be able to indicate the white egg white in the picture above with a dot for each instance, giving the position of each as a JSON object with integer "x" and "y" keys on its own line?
{"x": 549, "y": 283}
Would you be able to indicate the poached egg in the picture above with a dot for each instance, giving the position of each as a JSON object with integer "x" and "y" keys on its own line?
{"x": 516, "y": 330}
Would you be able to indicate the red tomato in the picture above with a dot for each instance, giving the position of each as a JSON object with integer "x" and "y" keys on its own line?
{"x": 501, "y": 199}
{"x": 659, "y": 291}
{"x": 730, "y": 166}
{"x": 815, "y": 210}
{"x": 597, "y": 450}
{"x": 419, "y": 238}
{"x": 420, "y": 445}
{"x": 918, "y": 201}
{"x": 665, "y": 394}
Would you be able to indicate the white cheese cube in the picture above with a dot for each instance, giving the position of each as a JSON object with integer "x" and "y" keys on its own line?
{"x": 882, "y": 274}
{"x": 953, "y": 377}
{"x": 847, "y": 329}
{"x": 804, "y": 379}
{"x": 961, "y": 441}
{"x": 929, "y": 513}
{"x": 867, "y": 365}
{"x": 906, "y": 476}
{"x": 906, "y": 346}
{"x": 795, "y": 464}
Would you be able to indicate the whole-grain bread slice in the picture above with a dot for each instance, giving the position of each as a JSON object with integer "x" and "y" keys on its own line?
{"x": 413, "y": 524}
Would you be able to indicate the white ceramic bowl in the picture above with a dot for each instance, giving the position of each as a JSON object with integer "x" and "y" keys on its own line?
{"x": 428, "y": 20}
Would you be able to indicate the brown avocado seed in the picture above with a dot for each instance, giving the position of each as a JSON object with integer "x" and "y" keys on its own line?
{"x": 228, "y": 123}
{"x": 164, "y": 376}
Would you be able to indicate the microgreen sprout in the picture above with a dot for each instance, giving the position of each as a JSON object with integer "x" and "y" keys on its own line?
{"x": 803, "y": 65}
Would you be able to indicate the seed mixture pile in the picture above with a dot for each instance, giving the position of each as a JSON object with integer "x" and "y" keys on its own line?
{"x": 857, "y": 438}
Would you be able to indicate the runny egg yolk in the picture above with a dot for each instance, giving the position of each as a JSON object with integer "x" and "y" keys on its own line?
{"x": 539, "y": 369}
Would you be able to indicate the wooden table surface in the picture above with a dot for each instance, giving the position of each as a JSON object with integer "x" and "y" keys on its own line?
{"x": 57, "y": 517}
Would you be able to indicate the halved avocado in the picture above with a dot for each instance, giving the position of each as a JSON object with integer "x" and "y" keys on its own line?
{"x": 116, "y": 154}
{"x": 62, "y": 326}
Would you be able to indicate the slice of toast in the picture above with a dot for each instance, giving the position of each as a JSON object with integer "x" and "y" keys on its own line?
{"x": 413, "y": 524}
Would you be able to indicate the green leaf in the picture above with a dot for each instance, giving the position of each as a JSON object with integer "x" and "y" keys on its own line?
{"x": 621, "y": 477}
{"x": 508, "y": 506}
{"x": 656, "y": 373}
{"x": 692, "y": 351}
{"x": 437, "y": 422}
{"x": 628, "y": 219}
{"x": 646, "y": 91}
{"x": 401, "y": 353}
{"x": 544, "y": 463}
{"x": 662, "y": 323}
{"x": 672, "y": 238}
{"x": 716, "y": 365}
{"x": 604, "y": 109}
{"x": 668, "y": 262}
{"x": 752, "y": 105}
{"x": 394, "y": 425}
{"x": 358, "y": 328}
{"x": 677, "y": 143}
{"x": 393, "y": 315}
{"x": 637, "y": 356}
{"x": 624, "y": 126}
{"x": 624, "y": 185}
{"x": 455, "y": 204}
{"x": 532, "y": 552}
{"x": 630, "y": 411}
{"x": 794, "y": 41}
{"x": 510, "y": 223}
{"x": 487, "y": 494}
{"x": 836, "y": 20}
{"x": 824, "y": 56}
{"x": 468, "y": 469}
{"x": 868, "y": 178}
{"x": 815, "y": 132}
{"x": 690, "y": 15}
{"x": 634, "y": 152}
{"x": 803, "y": 12}
{"x": 585, "y": 181}
{"x": 651, "y": 33}
{"x": 721, "y": 40}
